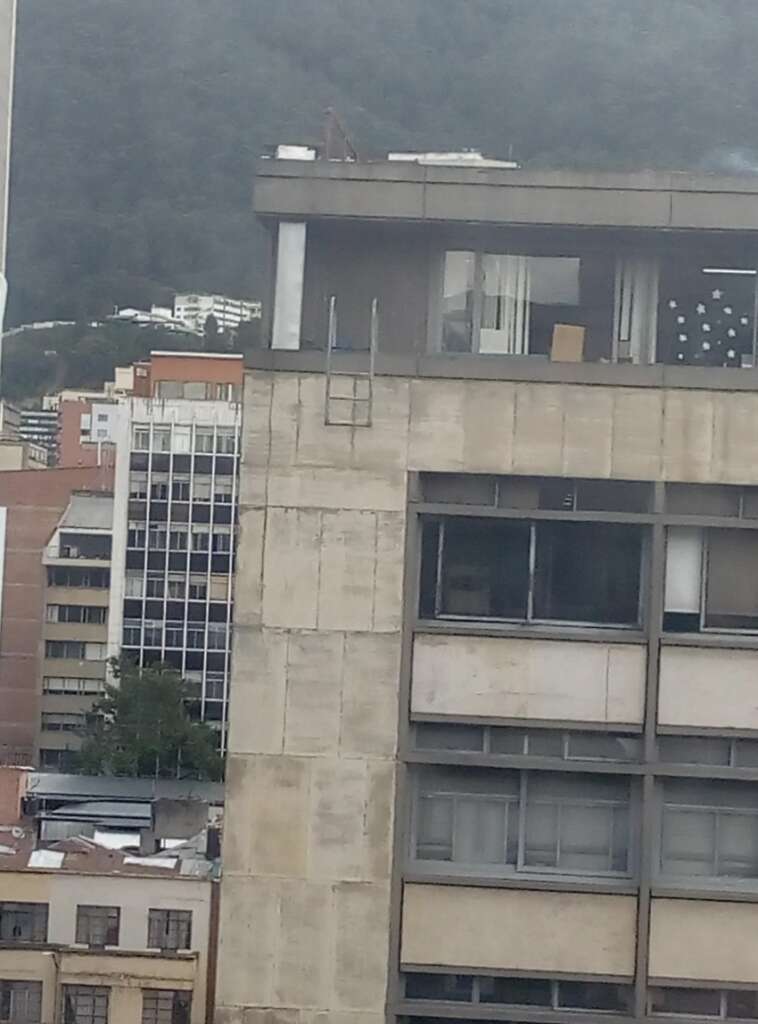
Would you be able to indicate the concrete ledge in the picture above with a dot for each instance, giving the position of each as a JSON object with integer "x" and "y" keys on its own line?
{"x": 512, "y": 368}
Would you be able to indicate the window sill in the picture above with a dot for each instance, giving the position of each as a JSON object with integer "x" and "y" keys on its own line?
{"x": 710, "y": 890}
{"x": 541, "y": 631}
{"x": 415, "y": 874}
{"x": 746, "y": 641}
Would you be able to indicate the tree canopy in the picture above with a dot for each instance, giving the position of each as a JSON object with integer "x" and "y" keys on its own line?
{"x": 142, "y": 727}
{"x": 132, "y": 175}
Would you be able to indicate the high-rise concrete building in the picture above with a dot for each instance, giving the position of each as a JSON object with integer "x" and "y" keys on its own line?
{"x": 493, "y": 749}
{"x": 175, "y": 522}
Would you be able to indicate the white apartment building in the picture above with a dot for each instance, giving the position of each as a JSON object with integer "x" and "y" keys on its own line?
{"x": 194, "y": 310}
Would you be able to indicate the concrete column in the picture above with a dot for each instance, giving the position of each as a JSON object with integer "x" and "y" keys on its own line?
{"x": 288, "y": 294}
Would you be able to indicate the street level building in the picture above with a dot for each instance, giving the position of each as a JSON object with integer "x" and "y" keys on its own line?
{"x": 93, "y": 933}
{"x": 494, "y": 738}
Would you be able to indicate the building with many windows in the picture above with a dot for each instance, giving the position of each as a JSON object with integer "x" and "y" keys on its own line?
{"x": 175, "y": 521}
{"x": 77, "y": 563}
{"x": 32, "y": 504}
{"x": 194, "y": 310}
{"x": 493, "y": 752}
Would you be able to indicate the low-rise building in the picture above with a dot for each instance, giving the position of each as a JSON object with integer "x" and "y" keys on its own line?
{"x": 94, "y": 934}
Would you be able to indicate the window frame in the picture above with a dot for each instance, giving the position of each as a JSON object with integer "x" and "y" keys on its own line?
{"x": 38, "y": 921}
{"x": 716, "y": 812}
{"x": 94, "y": 921}
{"x": 30, "y": 991}
{"x": 175, "y": 1014}
{"x": 95, "y": 993}
{"x": 520, "y": 868}
{"x": 530, "y": 618}
{"x": 169, "y": 922}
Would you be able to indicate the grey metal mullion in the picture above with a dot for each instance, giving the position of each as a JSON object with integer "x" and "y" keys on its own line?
{"x": 188, "y": 549}
{"x": 523, "y": 796}
{"x": 478, "y": 301}
{"x": 532, "y": 571}
{"x": 716, "y": 812}
{"x": 169, "y": 510}
{"x": 558, "y": 829}
{"x": 148, "y": 509}
{"x": 440, "y": 560}
{"x": 209, "y": 564}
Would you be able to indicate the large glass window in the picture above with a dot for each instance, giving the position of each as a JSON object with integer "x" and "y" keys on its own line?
{"x": 544, "y": 571}
{"x": 711, "y": 579}
{"x": 85, "y": 1004}
{"x": 97, "y": 926}
{"x": 706, "y": 314}
{"x": 165, "y": 1006}
{"x": 519, "y": 304}
{"x": 169, "y": 929}
{"x": 500, "y": 822}
{"x": 709, "y": 829}
{"x": 23, "y": 922}
{"x": 20, "y": 1002}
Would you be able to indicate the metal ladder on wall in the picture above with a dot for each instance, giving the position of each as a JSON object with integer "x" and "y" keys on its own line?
{"x": 349, "y": 394}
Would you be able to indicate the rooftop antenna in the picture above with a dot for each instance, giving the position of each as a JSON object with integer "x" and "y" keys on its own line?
{"x": 337, "y": 145}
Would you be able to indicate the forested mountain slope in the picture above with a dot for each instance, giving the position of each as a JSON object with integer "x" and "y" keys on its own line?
{"x": 138, "y": 122}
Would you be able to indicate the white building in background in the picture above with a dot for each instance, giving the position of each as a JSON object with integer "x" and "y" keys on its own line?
{"x": 194, "y": 310}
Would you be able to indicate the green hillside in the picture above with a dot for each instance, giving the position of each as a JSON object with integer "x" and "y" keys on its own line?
{"x": 138, "y": 121}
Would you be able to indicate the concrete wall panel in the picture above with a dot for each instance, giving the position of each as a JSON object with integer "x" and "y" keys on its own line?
{"x": 711, "y": 688}
{"x": 518, "y": 930}
{"x": 703, "y": 940}
{"x": 531, "y": 679}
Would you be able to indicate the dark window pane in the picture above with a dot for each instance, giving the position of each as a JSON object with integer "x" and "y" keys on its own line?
{"x": 430, "y": 736}
{"x": 459, "y": 488}
{"x": 612, "y": 495}
{"x": 544, "y": 743}
{"x": 485, "y": 569}
{"x": 702, "y": 500}
{"x": 588, "y": 572}
{"x": 731, "y": 591}
{"x": 507, "y": 741}
{"x": 428, "y": 579}
{"x": 697, "y": 1001}
{"x": 454, "y": 987}
{"x": 694, "y": 749}
{"x": 557, "y": 493}
{"x": 600, "y": 746}
{"x": 593, "y": 995}
{"x": 515, "y": 991}
{"x": 742, "y": 1004}
{"x": 746, "y": 752}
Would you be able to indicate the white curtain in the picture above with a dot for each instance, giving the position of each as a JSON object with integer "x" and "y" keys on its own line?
{"x": 505, "y": 305}
{"x": 635, "y": 314}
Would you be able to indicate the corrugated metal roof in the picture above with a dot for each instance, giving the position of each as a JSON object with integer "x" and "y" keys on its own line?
{"x": 54, "y": 785}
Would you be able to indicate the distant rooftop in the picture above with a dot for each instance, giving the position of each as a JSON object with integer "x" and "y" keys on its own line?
{"x": 88, "y": 512}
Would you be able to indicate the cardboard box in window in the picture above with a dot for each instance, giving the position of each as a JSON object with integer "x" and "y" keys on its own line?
{"x": 568, "y": 344}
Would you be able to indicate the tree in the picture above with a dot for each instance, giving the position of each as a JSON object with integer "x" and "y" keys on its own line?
{"x": 210, "y": 329}
{"x": 141, "y": 727}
